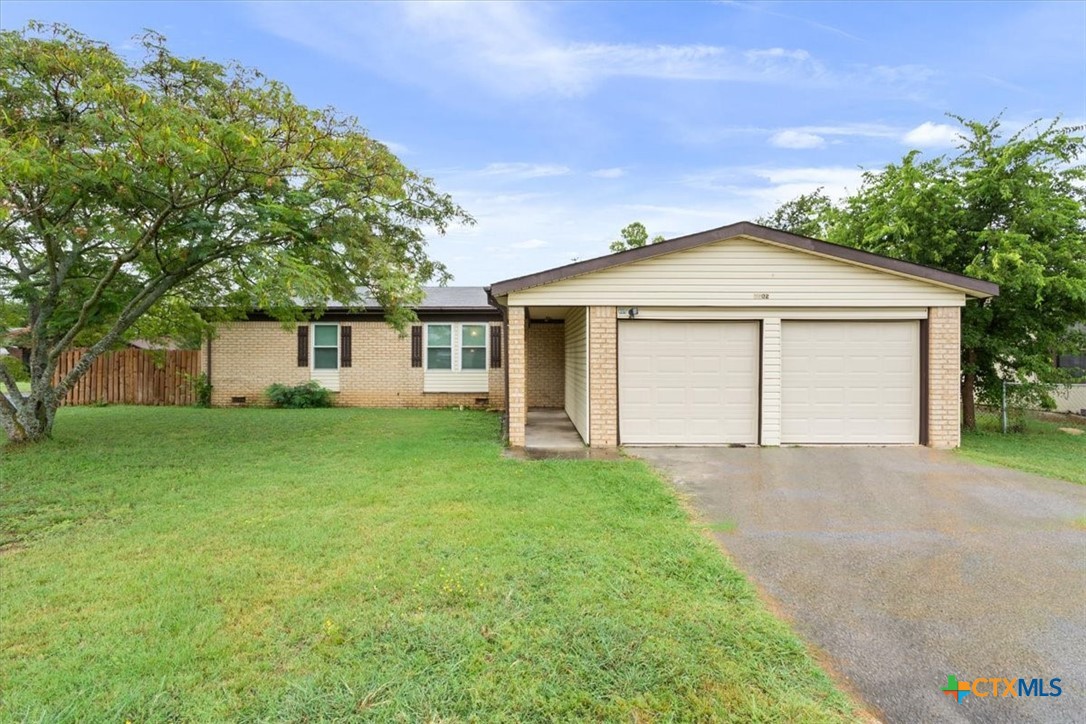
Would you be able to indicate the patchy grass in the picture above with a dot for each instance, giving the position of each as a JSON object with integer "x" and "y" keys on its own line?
{"x": 199, "y": 565}
{"x": 1040, "y": 447}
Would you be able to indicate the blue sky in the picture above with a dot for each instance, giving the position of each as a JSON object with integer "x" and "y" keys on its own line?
{"x": 557, "y": 124}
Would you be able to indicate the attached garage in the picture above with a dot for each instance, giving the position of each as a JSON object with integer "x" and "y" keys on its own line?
{"x": 850, "y": 382}
{"x": 688, "y": 383}
{"x": 745, "y": 335}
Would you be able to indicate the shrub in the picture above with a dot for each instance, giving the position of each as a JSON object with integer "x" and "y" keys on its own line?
{"x": 309, "y": 394}
{"x": 201, "y": 387}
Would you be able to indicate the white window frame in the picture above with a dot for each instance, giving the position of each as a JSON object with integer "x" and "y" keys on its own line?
{"x": 456, "y": 345}
{"x": 313, "y": 348}
{"x": 485, "y": 346}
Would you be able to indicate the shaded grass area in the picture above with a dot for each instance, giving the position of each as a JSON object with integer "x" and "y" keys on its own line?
{"x": 1037, "y": 447}
{"x": 182, "y": 564}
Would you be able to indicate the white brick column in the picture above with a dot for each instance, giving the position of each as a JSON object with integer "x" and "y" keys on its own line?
{"x": 771, "y": 382}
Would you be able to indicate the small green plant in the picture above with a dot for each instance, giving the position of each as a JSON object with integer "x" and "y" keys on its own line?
{"x": 201, "y": 388}
{"x": 308, "y": 394}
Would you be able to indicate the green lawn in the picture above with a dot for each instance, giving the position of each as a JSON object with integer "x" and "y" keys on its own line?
{"x": 1040, "y": 448}
{"x": 182, "y": 564}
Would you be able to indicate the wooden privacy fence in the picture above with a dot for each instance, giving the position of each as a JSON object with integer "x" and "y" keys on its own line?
{"x": 133, "y": 377}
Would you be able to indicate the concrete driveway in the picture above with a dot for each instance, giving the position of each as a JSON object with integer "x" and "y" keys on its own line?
{"x": 906, "y": 565}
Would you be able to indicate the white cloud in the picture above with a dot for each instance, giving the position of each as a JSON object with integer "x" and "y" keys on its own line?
{"x": 617, "y": 172}
{"x": 796, "y": 139}
{"x": 524, "y": 170}
{"x": 756, "y": 190}
{"x": 529, "y": 244}
{"x": 520, "y": 233}
{"x": 933, "y": 135}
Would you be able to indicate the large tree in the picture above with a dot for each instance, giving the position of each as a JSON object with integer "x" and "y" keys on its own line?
{"x": 134, "y": 193}
{"x": 1006, "y": 208}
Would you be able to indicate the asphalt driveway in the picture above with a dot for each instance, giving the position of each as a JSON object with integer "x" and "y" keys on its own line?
{"x": 906, "y": 565}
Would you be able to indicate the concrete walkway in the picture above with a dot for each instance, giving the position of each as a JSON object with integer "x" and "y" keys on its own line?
{"x": 550, "y": 435}
{"x": 906, "y": 565}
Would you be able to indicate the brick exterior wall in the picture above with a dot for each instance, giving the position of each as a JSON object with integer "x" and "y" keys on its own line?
{"x": 515, "y": 357}
{"x": 546, "y": 365}
{"x": 246, "y": 357}
{"x": 944, "y": 377}
{"x": 603, "y": 376}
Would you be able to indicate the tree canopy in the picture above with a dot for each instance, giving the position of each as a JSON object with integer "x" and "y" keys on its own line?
{"x": 1006, "y": 208}
{"x": 133, "y": 195}
{"x": 633, "y": 236}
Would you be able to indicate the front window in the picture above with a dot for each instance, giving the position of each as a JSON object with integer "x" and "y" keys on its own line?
{"x": 325, "y": 346}
{"x": 439, "y": 347}
{"x": 456, "y": 347}
{"x": 473, "y": 347}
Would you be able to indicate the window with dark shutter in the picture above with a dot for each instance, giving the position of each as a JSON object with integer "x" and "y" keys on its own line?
{"x": 303, "y": 345}
{"x": 495, "y": 347}
{"x": 344, "y": 345}
{"x": 416, "y": 346}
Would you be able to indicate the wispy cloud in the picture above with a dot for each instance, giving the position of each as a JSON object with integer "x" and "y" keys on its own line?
{"x": 397, "y": 148}
{"x": 762, "y": 8}
{"x": 617, "y": 172}
{"x": 524, "y": 170}
{"x": 529, "y": 244}
{"x": 925, "y": 135}
{"x": 796, "y": 139}
{"x": 513, "y": 49}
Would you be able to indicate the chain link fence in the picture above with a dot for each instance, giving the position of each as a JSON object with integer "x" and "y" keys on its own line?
{"x": 1009, "y": 408}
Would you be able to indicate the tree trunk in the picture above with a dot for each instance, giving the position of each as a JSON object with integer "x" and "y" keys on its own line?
{"x": 29, "y": 418}
{"x": 969, "y": 391}
{"x": 32, "y": 421}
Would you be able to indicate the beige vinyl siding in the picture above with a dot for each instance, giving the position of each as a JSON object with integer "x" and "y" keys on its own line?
{"x": 328, "y": 379}
{"x": 576, "y": 397}
{"x": 771, "y": 382}
{"x": 456, "y": 381}
{"x": 742, "y": 272}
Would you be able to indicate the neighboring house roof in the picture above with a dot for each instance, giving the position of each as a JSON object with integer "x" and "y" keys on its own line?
{"x": 969, "y": 285}
{"x": 436, "y": 299}
{"x": 147, "y": 344}
{"x": 443, "y": 298}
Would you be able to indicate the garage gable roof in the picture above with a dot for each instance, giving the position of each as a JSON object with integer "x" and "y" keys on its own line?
{"x": 969, "y": 285}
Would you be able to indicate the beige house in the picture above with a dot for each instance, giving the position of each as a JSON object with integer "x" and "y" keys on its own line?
{"x": 748, "y": 336}
{"x": 453, "y": 357}
{"x": 740, "y": 335}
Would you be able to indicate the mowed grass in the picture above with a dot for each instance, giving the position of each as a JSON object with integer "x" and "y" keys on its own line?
{"x": 1040, "y": 447}
{"x": 200, "y": 565}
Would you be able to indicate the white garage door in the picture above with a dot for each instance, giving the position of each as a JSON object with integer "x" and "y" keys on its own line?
{"x": 850, "y": 382}
{"x": 688, "y": 383}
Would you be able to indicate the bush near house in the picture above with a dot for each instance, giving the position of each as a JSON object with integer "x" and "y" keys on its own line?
{"x": 298, "y": 397}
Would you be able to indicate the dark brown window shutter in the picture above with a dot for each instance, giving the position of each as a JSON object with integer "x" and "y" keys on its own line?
{"x": 303, "y": 345}
{"x": 344, "y": 345}
{"x": 416, "y": 346}
{"x": 495, "y": 347}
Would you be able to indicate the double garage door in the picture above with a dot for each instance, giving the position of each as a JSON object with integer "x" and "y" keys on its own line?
{"x": 700, "y": 383}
